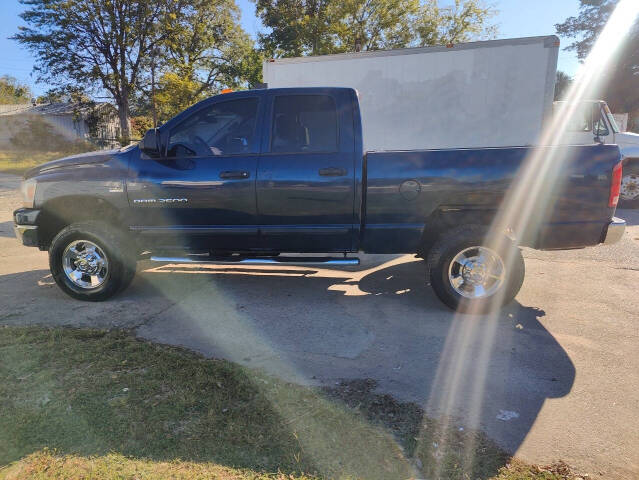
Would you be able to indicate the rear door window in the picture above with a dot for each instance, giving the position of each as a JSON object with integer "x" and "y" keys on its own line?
{"x": 303, "y": 124}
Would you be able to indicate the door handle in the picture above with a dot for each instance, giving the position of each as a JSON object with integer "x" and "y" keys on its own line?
{"x": 234, "y": 174}
{"x": 332, "y": 172}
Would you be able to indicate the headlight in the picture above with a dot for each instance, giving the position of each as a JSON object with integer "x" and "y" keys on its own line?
{"x": 28, "y": 190}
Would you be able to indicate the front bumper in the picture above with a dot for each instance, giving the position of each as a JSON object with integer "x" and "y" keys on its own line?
{"x": 614, "y": 231}
{"x": 25, "y": 226}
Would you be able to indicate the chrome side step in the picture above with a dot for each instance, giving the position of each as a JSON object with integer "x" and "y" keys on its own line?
{"x": 293, "y": 261}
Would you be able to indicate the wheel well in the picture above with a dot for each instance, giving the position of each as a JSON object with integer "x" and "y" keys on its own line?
{"x": 60, "y": 212}
{"x": 447, "y": 218}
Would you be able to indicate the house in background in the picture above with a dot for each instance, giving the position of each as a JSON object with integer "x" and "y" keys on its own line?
{"x": 97, "y": 123}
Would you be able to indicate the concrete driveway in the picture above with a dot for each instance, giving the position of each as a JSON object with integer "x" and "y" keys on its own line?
{"x": 555, "y": 375}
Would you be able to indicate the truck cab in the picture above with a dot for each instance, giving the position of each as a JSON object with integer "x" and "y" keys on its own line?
{"x": 593, "y": 122}
{"x": 260, "y": 170}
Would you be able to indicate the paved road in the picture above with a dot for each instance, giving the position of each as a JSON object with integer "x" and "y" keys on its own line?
{"x": 553, "y": 376}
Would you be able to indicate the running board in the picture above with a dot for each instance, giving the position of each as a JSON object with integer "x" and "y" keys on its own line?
{"x": 294, "y": 261}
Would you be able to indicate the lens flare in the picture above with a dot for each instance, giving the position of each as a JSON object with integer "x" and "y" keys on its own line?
{"x": 359, "y": 447}
{"x": 459, "y": 387}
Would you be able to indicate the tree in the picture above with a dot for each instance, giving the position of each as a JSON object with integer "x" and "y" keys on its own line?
{"x": 298, "y": 27}
{"x": 373, "y": 24}
{"x": 207, "y": 51}
{"x": 562, "y": 84}
{"x": 97, "y": 42}
{"x": 53, "y": 95}
{"x": 175, "y": 93}
{"x": 67, "y": 94}
{"x": 463, "y": 21}
{"x": 139, "y": 126}
{"x": 11, "y": 91}
{"x": 620, "y": 85}
{"x": 316, "y": 27}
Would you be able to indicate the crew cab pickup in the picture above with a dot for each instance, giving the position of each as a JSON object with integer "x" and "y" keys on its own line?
{"x": 247, "y": 177}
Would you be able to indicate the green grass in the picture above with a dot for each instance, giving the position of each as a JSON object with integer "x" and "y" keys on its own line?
{"x": 17, "y": 162}
{"x": 103, "y": 405}
{"x": 45, "y": 465}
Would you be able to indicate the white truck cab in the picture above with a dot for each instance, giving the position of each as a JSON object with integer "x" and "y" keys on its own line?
{"x": 594, "y": 123}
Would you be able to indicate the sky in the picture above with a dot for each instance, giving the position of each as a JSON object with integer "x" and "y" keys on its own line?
{"x": 516, "y": 18}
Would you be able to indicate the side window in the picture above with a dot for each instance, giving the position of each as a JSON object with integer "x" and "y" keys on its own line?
{"x": 304, "y": 123}
{"x": 225, "y": 128}
{"x": 581, "y": 120}
{"x": 588, "y": 118}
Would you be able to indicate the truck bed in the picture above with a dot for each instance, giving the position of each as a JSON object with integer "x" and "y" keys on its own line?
{"x": 408, "y": 193}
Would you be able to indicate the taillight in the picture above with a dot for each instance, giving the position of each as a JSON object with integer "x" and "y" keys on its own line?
{"x": 615, "y": 185}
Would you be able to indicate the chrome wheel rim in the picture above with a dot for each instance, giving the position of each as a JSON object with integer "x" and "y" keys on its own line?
{"x": 476, "y": 272}
{"x": 85, "y": 264}
{"x": 630, "y": 187}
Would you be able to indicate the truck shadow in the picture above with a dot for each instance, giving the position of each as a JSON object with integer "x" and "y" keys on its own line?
{"x": 6, "y": 230}
{"x": 631, "y": 216}
{"x": 329, "y": 327}
{"x": 319, "y": 326}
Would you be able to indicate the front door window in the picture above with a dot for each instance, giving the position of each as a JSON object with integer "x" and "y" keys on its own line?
{"x": 226, "y": 128}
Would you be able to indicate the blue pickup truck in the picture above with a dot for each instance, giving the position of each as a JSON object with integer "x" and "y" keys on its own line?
{"x": 247, "y": 177}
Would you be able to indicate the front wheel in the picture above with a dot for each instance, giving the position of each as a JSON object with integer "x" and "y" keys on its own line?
{"x": 91, "y": 261}
{"x": 472, "y": 275}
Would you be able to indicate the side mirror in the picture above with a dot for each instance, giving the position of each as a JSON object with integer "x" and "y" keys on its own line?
{"x": 150, "y": 143}
{"x": 599, "y": 132}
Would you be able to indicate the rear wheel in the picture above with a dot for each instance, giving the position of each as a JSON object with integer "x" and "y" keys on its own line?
{"x": 91, "y": 261}
{"x": 472, "y": 277}
{"x": 629, "y": 194}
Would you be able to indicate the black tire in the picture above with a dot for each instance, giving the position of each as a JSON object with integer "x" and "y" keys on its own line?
{"x": 449, "y": 245}
{"x": 129, "y": 275}
{"x": 120, "y": 256}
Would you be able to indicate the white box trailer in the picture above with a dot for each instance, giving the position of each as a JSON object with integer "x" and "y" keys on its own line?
{"x": 483, "y": 94}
